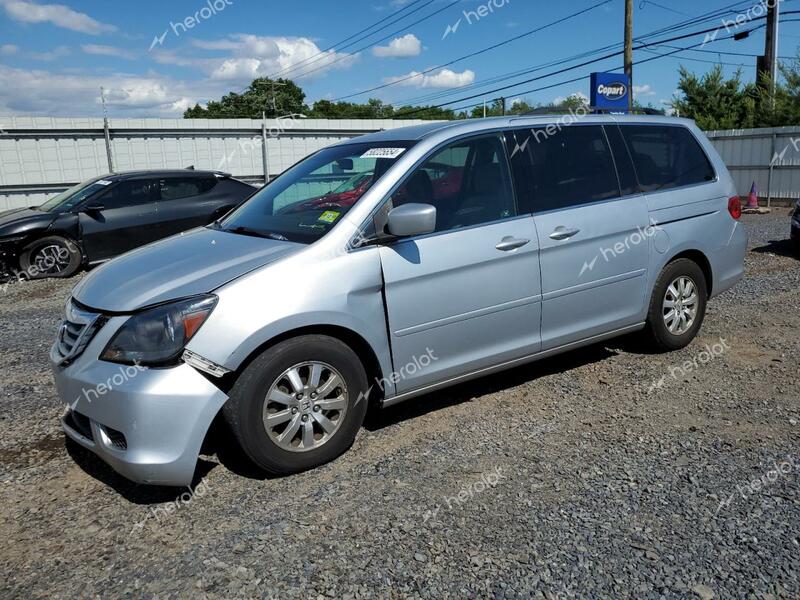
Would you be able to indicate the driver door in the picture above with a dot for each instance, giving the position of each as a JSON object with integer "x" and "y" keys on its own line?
{"x": 467, "y": 296}
{"x": 127, "y": 217}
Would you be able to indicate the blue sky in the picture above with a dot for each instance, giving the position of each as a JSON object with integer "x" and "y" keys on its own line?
{"x": 55, "y": 56}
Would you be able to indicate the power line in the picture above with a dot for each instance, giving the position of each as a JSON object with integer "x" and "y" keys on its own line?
{"x": 338, "y": 45}
{"x": 611, "y": 55}
{"x": 711, "y": 15}
{"x": 478, "y": 52}
{"x": 586, "y": 63}
{"x": 383, "y": 39}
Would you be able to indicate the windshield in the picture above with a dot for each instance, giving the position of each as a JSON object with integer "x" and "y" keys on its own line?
{"x": 306, "y": 201}
{"x": 71, "y": 198}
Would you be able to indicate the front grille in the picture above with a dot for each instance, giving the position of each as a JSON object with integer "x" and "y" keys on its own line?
{"x": 80, "y": 423}
{"x": 76, "y": 332}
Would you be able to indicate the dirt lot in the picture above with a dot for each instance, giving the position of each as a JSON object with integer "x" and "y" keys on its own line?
{"x": 602, "y": 473}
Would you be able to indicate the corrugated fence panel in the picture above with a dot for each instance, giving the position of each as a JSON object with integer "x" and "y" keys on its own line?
{"x": 768, "y": 157}
{"x": 41, "y": 156}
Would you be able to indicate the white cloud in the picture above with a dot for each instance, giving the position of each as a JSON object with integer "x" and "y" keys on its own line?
{"x": 643, "y": 90}
{"x": 402, "y": 47}
{"x": 443, "y": 78}
{"x": 100, "y": 50}
{"x": 258, "y": 56}
{"x": 39, "y": 92}
{"x": 8, "y": 49}
{"x": 47, "y": 56}
{"x": 56, "y": 14}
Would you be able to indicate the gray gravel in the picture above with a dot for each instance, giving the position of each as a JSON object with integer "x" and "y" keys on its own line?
{"x": 593, "y": 474}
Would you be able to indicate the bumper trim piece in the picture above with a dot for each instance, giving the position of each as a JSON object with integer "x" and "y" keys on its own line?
{"x": 203, "y": 364}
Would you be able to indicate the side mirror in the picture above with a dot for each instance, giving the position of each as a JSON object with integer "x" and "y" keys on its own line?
{"x": 408, "y": 220}
{"x": 93, "y": 208}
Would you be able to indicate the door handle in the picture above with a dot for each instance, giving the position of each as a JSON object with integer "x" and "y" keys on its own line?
{"x": 562, "y": 233}
{"x": 507, "y": 244}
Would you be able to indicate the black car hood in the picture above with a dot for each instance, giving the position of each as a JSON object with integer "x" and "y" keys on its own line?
{"x": 21, "y": 220}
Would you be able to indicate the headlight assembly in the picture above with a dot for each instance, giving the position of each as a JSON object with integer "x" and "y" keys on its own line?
{"x": 157, "y": 336}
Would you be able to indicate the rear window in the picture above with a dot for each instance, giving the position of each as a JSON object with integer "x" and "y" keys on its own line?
{"x": 666, "y": 157}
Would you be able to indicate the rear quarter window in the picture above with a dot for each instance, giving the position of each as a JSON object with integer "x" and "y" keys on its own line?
{"x": 175, "y": 188}
{"x": 666, "y": 157}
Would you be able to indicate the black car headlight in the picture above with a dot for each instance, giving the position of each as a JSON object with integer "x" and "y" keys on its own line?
{"x": 158, "y": 336}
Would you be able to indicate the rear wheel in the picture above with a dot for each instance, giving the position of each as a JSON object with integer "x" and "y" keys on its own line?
{"x": 52, "y": 256}
{"x": 298, "y": 405}
{"x": 678, "y": 306}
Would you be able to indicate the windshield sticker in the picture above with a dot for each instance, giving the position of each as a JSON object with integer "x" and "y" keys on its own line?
{"x": 104, "y": 182}
{"x": 329, "y": 216}
{"x": 383, "y": 153}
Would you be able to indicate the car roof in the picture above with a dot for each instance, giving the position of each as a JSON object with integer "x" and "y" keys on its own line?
{"x": 161, "y": 173}
{"x": 467, "y": 126}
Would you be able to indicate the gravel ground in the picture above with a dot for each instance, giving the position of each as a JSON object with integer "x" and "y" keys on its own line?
{"x": 605, "y": 472}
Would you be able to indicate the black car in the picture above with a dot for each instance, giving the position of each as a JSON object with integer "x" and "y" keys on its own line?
{"x": 796, "y": 228}
{"x": 107, "y": 216}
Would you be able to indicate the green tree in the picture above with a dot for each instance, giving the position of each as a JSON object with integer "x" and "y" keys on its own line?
{"x": 784, "y": 108}
{"x": 715, "y": 102}
{"x": 288, "y": 99}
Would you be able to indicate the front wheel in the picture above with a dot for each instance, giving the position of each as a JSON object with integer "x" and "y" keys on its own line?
{"x": 678, "y": 306}
{"x": 52, "y": 256}
{"x": 299, "y": 404}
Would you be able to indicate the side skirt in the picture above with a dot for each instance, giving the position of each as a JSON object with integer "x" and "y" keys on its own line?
{"x": 510, "y": 364}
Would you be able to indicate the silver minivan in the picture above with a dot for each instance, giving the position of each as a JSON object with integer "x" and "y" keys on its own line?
{"x": 387, "y": 267}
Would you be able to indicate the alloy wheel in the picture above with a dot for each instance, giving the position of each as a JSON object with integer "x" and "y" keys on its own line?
{"x": 305, "y": 406}
{"x": 681, "y": 302}
{"x": 51, "y": 259}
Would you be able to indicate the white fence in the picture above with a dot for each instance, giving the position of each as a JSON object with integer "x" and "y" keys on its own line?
{"x": 41, "y": 156}
{"x": 768, "y": 157}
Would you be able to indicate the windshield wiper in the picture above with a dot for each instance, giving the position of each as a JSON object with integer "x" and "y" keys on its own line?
{"x": 255, "y": 233}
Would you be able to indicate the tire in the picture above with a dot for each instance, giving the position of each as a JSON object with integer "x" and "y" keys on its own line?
{"x": 52, "y": 256}
{"x": 248, "y": 408}
{"x": 658, "y": 333}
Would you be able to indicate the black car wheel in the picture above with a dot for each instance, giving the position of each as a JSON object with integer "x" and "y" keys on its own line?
{"x": 298, "y": 405}
{"x": 52, "y": 256}
{"x": 678, "y": 306}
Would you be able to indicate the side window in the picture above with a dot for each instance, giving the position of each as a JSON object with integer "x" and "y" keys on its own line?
{"x": 468, "y": 182}
{"x": 175, "y": 188}
{"x": 562, "y": 167}
{"x": 129, "y": 193}
{"x": 623, "y": 161}
{"x": 666, "y": 156}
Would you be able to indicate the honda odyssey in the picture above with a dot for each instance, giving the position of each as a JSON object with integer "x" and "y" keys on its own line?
{"x": 473, "y": 246}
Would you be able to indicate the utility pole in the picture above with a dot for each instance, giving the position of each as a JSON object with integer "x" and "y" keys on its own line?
{"x": 629, "y": 49}
{"x": 770, "y": 64}
{"x": 274, "y": 102}
{"x": 503, "y": 104}
{"x": 106, "y": 131}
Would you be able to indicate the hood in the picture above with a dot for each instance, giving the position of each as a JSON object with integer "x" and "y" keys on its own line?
{"x": 195, "y": 262}
{"x": 21, "y": 219}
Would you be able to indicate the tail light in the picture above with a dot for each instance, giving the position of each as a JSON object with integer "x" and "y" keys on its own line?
{"x": 735, "y": 207}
